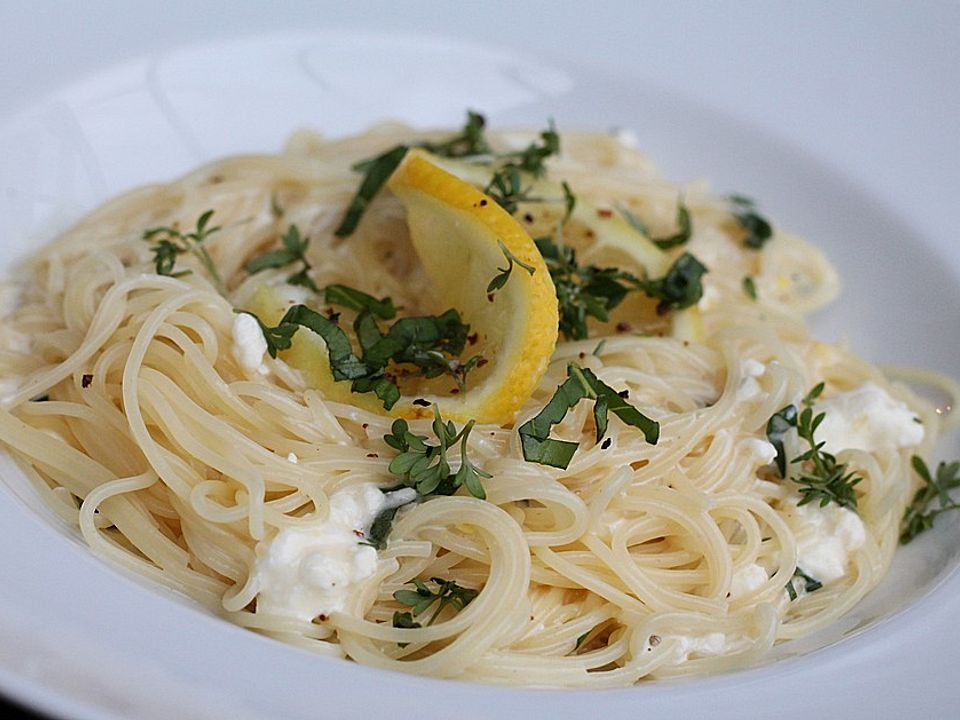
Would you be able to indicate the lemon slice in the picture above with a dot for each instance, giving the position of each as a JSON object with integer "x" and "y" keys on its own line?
{"x": 457, "y": 233}
{"x": 457, "y": 230}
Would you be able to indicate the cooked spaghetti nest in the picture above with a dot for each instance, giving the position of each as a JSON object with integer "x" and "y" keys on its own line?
{"x": 132, "y": 414}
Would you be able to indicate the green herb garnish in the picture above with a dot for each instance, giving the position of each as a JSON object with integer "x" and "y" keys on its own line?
{"x": 506, "y": 188}
{"x": 581, "y": 383}
{"x": 422, "y": 598}
{"x": 919, "y": 515}
{"x": 171, "y": 242}
{"x": 757, "y": 228}
{"x": 376, "y": 171}
{"x": 749, "y": 287}
{"x": 294, "y": 250}
{"x": 470, "y": 141}
{"x": 589, "y": 291}
{"x": 500, "y": 279}
{"x": 681, "y": 237}
{"x": 426, "y": 467}
{"x": 820, "y": 477}
{"x": 809, "y": 584}
{"x": 431, "y": 344}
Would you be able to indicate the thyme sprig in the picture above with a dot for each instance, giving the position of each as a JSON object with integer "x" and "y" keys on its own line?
{"x": 426, "y": 467}
{"x": 294, "y": 248}
{"x": 500, "y": 279}
{"x": 171, "y": 242}
{"x": 921, "y": 512}
{"x": 581, "y": 383}
{"x": 422, "y": 598}
{"x": 820, "y": 477}
{"x": 680, "y": 237}
{"x": 585, "y": 291}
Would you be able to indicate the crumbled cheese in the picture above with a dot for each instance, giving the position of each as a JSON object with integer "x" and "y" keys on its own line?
{"x": 761, "y": 451}
{"x": 311, "y": 570}
{"x": 826, "y": 537}
{"x": 710, "y": 298}
{"x": 866, "y": 419}
{"x": 709, "y": 644}
{"x": 292, "y": 457}
{"x": 747, "y": 579}
{"x": 750, "y": 370}
{"x": 249, "y": 345}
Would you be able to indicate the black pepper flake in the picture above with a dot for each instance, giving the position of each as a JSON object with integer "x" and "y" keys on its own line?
{"x": 323, "y": 617}
{"x": 421, "y": 402}
{"x": 86, "y": 380}
{"x": 582, "y": 355}
{"x": 483, "y": 203}
{"x": 528, "y": 217}
{"x": 489, "y": 297}
{"x": 473, "y": 337}
{"x": 623, "y": 327}
{"x": 606, "y": 443}
{"x": 624, "y": 394}
{"x": 365, "y": 426}
{"x": 372, "y": 455}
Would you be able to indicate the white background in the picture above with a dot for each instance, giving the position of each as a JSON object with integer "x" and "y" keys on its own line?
{"x": 871, "y": 89}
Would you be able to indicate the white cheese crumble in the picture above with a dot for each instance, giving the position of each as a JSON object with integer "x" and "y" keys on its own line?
{"x": 292, "y": 457}
{"x": 311, "y": 570}
{"x": 826, "y": 537}
{"x": 761, "y": 451}
{"x": 750, "y": 370}
{"x": 249, "y": 345}
{"x": 747, "y": 579}
{"x": 866, "y": 419}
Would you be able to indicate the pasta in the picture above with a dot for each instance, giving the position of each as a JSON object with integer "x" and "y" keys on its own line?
{"x": 130, "y": 405}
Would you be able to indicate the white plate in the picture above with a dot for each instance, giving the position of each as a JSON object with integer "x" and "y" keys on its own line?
{"x": 80, "y": 639}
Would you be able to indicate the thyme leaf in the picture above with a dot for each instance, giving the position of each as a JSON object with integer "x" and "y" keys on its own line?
{"x": 171, "y": 242}
{"x": 422, "y": 598}
{"x": 921, "y": 512}
{"x": 500, "y": 279}
{"x": 426, "y": 467}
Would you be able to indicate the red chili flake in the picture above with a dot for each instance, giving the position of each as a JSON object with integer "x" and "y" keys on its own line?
{"x": 359, "y": 533}
{"x": 481, "y": 362}
{"x": 454, "y": 391}
{"x": 623, "y": 327}
{"x": 332, "y": 315}
{"x": 473, "y": 337}
{"x": 489, "y": 297}
{"x": 86, "y": 380}
{"x": 421, "y": 402}
{"x": 323, "y": 617}
{"x": 604, "y": 212}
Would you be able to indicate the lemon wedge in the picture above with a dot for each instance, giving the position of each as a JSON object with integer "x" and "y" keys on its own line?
{"x": 459, "y": 234}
